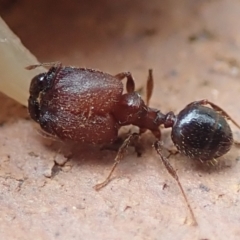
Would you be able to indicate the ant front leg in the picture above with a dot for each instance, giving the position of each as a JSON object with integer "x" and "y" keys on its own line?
{"x": 216, "y": 108}
{"x": 117, "y": 159}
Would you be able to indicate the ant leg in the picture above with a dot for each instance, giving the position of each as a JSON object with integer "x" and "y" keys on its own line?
{"x": 136, "y": 143}
{"x": 117, "y": 160}
{"x": 130, "y": 81}
{"x": 51, "y": 64}
{"x": 115, "y": 146}
{"x": 149, "y": 86}
{"x": 173, "y": 173}
{"x": 217, "y": 108}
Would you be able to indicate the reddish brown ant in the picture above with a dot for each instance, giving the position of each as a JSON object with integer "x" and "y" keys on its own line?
{"x": 86, "y": 105}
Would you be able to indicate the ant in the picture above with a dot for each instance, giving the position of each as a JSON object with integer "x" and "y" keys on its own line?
{"x": 86, "y": 105}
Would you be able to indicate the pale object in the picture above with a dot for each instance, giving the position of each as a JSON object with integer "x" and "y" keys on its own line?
{"x": 14, "y": 57}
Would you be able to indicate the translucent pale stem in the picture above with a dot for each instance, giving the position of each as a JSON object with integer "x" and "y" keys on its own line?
{"x": 14, "y": 57}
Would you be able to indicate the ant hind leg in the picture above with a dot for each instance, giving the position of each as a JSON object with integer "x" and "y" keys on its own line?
{"x": 216, "y": 108}
{"x": 173, "y": 173}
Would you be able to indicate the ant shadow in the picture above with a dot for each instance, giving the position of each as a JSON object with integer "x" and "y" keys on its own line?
{"x": 88, "y": 154}
{"x": 222, "y": 164}
{"x": 99, "y": 155}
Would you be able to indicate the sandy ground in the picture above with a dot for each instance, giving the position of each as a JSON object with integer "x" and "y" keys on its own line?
{"x": 47, "y": 188}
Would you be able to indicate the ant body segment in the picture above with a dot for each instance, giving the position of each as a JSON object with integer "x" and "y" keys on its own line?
{"x": 86, "y": 105}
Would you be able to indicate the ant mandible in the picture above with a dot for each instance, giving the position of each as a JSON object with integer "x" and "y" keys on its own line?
{"x": 86, "y": 105}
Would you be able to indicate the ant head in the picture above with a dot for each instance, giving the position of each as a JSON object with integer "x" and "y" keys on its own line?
{"x": 42, "y": 82}
{"x": 37, "y": 85}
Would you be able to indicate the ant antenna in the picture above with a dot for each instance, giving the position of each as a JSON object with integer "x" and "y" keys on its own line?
{"x": 52, "y": 64}
{"x": 149, "y": 86}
